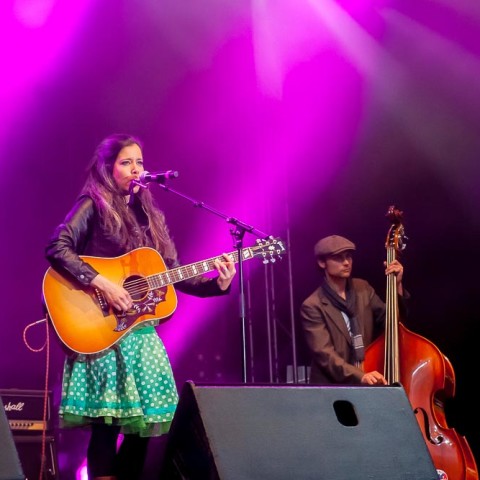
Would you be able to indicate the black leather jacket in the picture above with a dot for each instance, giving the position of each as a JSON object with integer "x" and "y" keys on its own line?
{"x": 82, "y": 233}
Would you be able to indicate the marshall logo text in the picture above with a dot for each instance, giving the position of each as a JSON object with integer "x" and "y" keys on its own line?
{"x": 14, "y": 407}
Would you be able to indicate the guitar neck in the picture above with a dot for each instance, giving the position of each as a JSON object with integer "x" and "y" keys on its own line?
{"x": 185, "y": 272}
{"x": 138, "y": 271}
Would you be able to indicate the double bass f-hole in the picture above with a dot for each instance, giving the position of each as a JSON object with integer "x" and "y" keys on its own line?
{"x": 426, "y": 427}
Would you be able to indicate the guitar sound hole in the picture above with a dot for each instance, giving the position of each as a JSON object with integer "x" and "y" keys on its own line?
{"x": 137, "y": 287}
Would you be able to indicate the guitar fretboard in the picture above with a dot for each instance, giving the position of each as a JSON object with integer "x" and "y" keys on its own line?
{"x": 185, "y": 272}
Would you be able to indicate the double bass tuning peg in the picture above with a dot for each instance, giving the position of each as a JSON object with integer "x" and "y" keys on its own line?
{"x": 403, "y": 242}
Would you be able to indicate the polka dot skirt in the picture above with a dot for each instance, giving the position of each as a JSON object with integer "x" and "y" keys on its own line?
{"x": 130, "y": 384}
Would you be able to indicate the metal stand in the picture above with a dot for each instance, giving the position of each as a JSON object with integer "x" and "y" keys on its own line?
{"x": 237, "y": 232}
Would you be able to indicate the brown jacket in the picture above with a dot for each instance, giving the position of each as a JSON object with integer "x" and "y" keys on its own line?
{"x": 327, "y": 335}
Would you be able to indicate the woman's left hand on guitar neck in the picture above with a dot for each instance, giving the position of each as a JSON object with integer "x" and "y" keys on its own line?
{"x": 226, "y": 271}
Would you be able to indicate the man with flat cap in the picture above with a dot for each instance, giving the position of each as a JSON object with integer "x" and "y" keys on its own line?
{"x": 343, "y": 316}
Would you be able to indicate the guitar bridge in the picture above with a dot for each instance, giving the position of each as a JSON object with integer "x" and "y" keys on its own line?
{"x": 103, "y": 304}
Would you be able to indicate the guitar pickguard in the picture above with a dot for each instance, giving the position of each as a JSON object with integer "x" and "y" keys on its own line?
{"x": 144, "y": 306}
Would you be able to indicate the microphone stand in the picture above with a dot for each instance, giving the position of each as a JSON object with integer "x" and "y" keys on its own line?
{"x": 237, "y": 233}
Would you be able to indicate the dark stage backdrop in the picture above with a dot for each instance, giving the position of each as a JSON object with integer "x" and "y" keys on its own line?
{"x": 302, "y": 119}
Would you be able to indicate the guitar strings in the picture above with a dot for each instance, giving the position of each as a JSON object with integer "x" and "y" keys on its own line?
{"x": 141, "y": 285}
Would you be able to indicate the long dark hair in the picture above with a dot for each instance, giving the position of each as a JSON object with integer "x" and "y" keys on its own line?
{"x": 110, "y": 202}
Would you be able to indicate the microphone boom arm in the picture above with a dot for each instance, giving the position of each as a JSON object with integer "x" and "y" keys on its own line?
{"x": 237, "y": 233}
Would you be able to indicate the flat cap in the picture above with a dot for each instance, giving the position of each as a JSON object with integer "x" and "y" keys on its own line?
{"x": 332, "y": 245}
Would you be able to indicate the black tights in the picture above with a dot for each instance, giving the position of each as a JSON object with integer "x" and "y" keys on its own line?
{"x": 104, "y": 460}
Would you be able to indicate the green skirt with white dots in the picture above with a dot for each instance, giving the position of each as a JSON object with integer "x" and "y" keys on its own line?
{"x": 130, "y": 385}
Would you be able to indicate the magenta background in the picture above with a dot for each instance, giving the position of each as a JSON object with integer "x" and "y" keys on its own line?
{"x": 300, "y": 118}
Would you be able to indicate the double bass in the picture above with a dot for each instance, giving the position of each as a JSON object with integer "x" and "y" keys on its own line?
{"x": 427, "y": 375}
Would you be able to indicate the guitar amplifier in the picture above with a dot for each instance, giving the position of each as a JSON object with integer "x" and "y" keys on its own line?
{"x": 25, "y": 410}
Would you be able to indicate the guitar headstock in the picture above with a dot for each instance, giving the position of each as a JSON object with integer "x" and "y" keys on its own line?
{"x": 269, "y": 248}
{"x": 396, "y": 238}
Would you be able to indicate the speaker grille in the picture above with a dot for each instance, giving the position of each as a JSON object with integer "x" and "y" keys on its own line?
{"x": 285, "y": 433}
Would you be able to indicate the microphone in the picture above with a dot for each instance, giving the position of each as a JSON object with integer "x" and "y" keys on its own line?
{"x": 157, "y": 177}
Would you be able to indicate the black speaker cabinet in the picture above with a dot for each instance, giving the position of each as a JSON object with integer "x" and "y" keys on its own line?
{"x": 295, "y": 433}
{"x": 29, "y": 449}
{"x": 10, "y": 467}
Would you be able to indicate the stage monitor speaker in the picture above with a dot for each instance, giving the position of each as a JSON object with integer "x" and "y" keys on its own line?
{"x": 10, "y": 467}
{"x": 295, "y": 433}
{"x": 30, "y": 448}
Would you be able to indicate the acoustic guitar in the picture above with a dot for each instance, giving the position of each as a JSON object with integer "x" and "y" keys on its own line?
{"x": 85, "y": 322}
